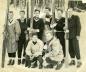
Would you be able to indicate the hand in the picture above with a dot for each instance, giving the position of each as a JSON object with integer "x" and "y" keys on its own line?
{"x": 4, "y": 35}
{"x": 45, "y": 46}
{"x": 31, "y": 30}
{"x": 36, "y": 30}
{"x": 27, "y": 37}
{"x": 77, "y": 37}
{"x": 31, "y": 57}
{"x": 17, "y": 37}
{"x": 47, "y": 19}
{"x": 35, "y": 55}
{"x": 53, "y": 25}
{"x": 66, "y": 31}
{"x": 65, "y": 28}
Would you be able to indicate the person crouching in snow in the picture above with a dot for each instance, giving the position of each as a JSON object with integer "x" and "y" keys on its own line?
{"x": 53, "y": 51}
{"x": 34, "y": 52}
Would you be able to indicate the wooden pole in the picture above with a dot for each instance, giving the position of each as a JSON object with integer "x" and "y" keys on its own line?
{"x": 32, "y": 9}
{"x": 53, "y": 11}
{"x": 27, "y": 6}
{"x": 15, "y": 3}
{"x": 66, "y": 33}
{"x": 4, "y": 36}
{"x": 53, "y": 15}
{"x": 31, "y": 20}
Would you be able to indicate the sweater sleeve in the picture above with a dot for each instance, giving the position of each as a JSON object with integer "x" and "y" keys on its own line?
{"x": 28, "y": 49}
{"x": 78, "y": 26}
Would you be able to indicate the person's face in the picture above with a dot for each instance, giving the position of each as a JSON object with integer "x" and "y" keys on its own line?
{"x": 36, "y": 14}
{"x": 49, "y": 36}
{"x": 10, "y": 15}
{"x": 47, "y": 11}
{"x": 70, "y": 12}
{"x": 22, "y": 14}
{"x": 34, "y": 38}
{"x": 59, "y": 14}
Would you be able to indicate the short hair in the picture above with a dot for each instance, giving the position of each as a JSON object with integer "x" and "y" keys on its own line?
{"x": 60, "y": 10}
{"x": 22, "y": 11}
{"x": 37, "y": 10}
{"x": 48, "y": 8}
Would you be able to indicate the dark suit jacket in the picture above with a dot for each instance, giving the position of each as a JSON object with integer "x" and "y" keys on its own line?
{"x": 74, "y": 26}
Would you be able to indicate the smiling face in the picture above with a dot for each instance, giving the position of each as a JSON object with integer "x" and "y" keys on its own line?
{"x": 22, "y": 14}
{"x": 70, "y": 12}
{"x": 47, "y": 11}
{"x": 10, "y": 15}
{"x": 36, "y": 14}
{"x": 34, "y": 38}
{"x": 59, "y": 14}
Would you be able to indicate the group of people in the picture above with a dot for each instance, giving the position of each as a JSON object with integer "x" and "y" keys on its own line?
{"x": 43, "y": 45}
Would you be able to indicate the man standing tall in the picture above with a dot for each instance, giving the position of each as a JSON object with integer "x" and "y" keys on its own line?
{"x": 12, "y": 35}
{"x": 22, "y": 43}
{"x": 38, "y": 24}
{"x": 59, "y": 27}
{"x": 74, "y": 27}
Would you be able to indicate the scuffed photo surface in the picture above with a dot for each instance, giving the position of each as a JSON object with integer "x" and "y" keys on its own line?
{"x": 79, "y": 11}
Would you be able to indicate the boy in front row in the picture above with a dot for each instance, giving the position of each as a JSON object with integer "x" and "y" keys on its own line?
{"x": 34, "y": 52}
{"x": 53, "y": 51}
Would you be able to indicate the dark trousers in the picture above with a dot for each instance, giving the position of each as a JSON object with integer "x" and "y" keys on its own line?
{"x": 60, "y": 36}
{"x": 22, "y": 44}
{"x": 13, "y": 55}
{"x": 28, "y": 61}
{"x": 51, "y": 62}
{"x": 74, "y": 48}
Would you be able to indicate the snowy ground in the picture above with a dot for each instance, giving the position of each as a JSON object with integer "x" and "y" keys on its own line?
{"x": 21, "y": 68}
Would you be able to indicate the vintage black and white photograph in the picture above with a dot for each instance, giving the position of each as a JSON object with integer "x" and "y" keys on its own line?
{"x": 42, "y": 35}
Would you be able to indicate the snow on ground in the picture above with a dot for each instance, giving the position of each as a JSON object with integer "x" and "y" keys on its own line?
{"x": 21, "y": 68}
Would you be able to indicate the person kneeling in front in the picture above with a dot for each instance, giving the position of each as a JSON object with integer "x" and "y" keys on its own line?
{"x": 53, "y": 52}
{"x": 34, "y": 53}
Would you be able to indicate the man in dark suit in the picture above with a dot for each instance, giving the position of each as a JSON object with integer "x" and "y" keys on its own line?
{"x": 74, "y": 27}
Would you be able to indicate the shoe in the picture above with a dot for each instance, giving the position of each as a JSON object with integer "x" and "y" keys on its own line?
{"x": 19, "y": 61}
{"x": 23, "y": 61}
{"x": 72, "y": 62}
{"x": 59, "y": 66}
{"x": 62, "y": 61}
{"x": 9, "y": 62}
{"x": 40, "y": 66}
{"x": 49, "y": 66}
{"x": 13, "y": 62}
{"x": 26, "y": 64}
{"x": 79, "y": 64}
{"x": 34, "y": 65}
{"x": 29, "y": 66}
